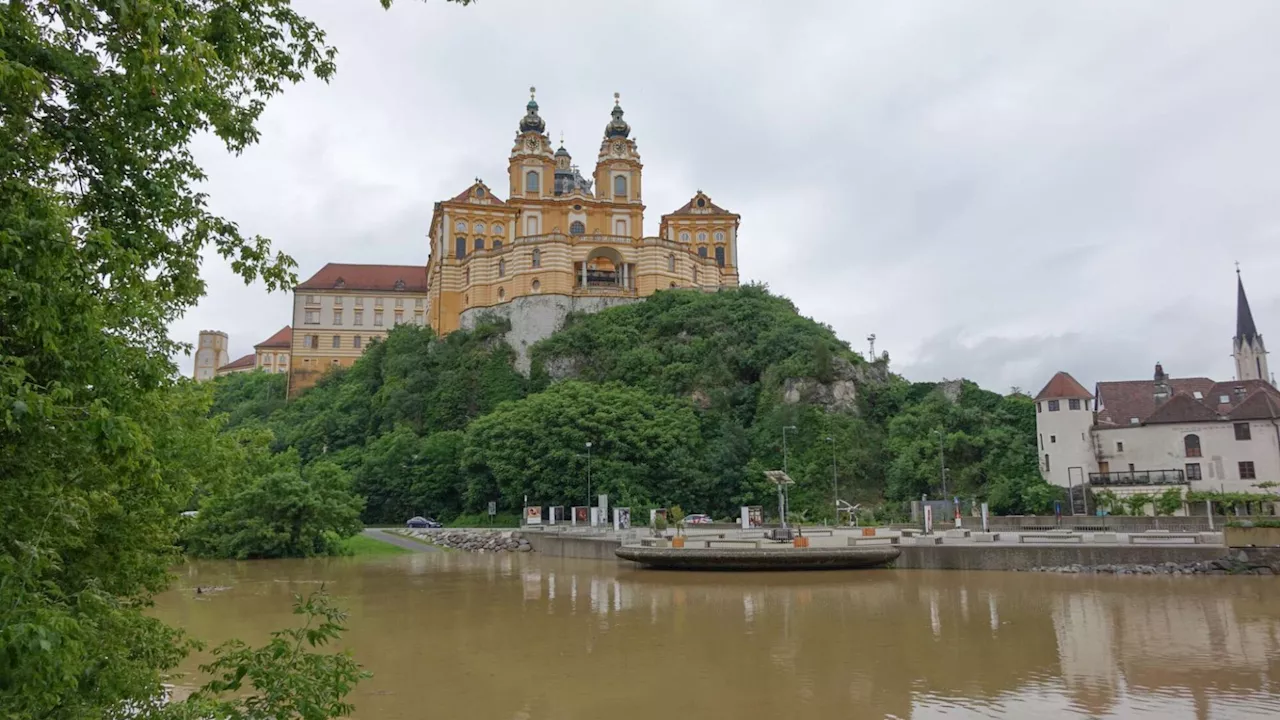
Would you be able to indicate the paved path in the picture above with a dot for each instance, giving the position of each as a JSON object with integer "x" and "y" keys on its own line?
{"x": 406, "y": 543}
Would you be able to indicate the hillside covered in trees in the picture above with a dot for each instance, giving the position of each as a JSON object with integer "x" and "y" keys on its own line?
{"x": 684, "y": 398}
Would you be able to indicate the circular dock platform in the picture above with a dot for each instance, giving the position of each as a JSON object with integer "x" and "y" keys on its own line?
{"x": 782, "y": 558}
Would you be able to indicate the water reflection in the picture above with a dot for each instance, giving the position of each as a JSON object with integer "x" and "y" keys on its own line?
{"x": 524, "y": 636}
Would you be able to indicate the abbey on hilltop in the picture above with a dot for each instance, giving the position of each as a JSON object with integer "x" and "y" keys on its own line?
{"x": 1146, "y": 436}
{"x": 562, "y": 242}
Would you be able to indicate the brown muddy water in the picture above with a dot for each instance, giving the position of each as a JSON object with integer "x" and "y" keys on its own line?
{"x": 522, "y": 637}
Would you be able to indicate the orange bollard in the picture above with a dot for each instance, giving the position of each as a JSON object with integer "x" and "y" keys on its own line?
{"x": 868, "y": 532}
{"x": 802, "y": 542}
{"x": 677, "y": 542}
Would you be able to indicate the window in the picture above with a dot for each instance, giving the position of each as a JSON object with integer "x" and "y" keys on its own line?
{"x": 502, "y": 268}
{"x": 337, "y": 302}
{"x": 1053, "y": 405}
{"x": 1192, "y": 445}
{"x": 1038, "y": 407}
{"x": 337, "y": 317}
{"x": 337, "y": 341}
{"x": 702, "y": 202}
{"x": 702, "y": 237}
{"x": 460, "y": 226}
{"x": 308, "y": 341}
{"x": 479, "y": 192}
{"x": 357, "y": 317}
{"x": 479, "y": 243}
{"x": 1224, "y": 399}
{"x": 531, "y": 181}
{"x": 313, "y": 300}
{"x": 719, "y": 237}
{"x": 1246, "y": 470}
{"x": 702, "y": 252}
{"x": 1130, "y": 467}
{"x": 359, "y": 302}
{"x": 460, "y": 247}
{"x": 577, "y": 228}
{"x": 357, "y": 342}
{"x": 1135, "y": 421}
{"x": 312, "y": 317}
{"x": 377, "y": 318}
{"x": 1119, "y": 446}
{"x": 417, "y": 302}
{"x": 502, "y": 294}
{"x": 531, "y": 226}
{"x": 537, "y": 286}
{"x": 684, "y": 237}
{"x": 497, "y": 228}
{"x": 620, "y": 185}
{"x": 417, "y": 319}
{"x": 206, "y": 341}
{"x": 399, "y": 316}
{"x": 620, "y": 227}
{"x": 479, "y": 228}
{"x": 720, "y": 256}
{"x": 377, "y": 303}
{"x": 671, "y": 263}
{"x": 1046, "y": 462}
{"x": 399, "y": 303}
{"x": 497, "y": 244}
{"x": 1042, "y": 441}
{"x": 282, "y": 358}
{"x": 1073, "y": 404}
{"x": 1193, "y": 471}
{"x": 334, "y": 361}
{"x": 537, "y": 258}
{"x": 466, "y": 275}
{"x": 1198, "y": 395}
{"x": 1243, "y": 432}
{"x": 1053, "y": 439}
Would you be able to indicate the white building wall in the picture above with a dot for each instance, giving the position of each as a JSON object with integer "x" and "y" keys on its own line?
{"x": 1063, "y": 438}
{"x": 1163, "y": 447}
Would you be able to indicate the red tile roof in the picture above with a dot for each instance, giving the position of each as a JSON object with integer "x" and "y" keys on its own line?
{"x": 469, "y": 195}
{"x": 368, "y": 277}
{"x": 1062, "y": 385}
{"x": 1118, "y": 402}
{"x": 282, "y": 338}
{"x": 247, "y": 361}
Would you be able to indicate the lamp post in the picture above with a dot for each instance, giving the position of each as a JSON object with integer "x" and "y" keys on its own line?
{"x": 588, "y": 477}
{"x": 835, "y": 483}
{"x": 782, "y": 503}
{"x": 942, "y": 464}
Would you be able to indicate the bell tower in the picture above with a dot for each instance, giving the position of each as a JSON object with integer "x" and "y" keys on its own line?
{"x": 1247, "y": 347}
{"x": 532, "y": 164}
{"x": 617, "y": 177}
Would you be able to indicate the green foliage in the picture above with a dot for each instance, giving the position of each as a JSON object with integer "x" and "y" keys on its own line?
{"x": 286, "y": 678}
{"x": 248, "y": 398}
{"x": 1229, "y": 499}
{"x": 360, "y": 545}
{"x": 1168, "y": 502}
{"x": 1254, "y": 524}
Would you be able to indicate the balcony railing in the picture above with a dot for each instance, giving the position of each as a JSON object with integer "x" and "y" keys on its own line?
{"x": 1140, "y": 477}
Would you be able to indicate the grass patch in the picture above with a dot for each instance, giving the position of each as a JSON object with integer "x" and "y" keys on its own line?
{"x": 361, "y": 545}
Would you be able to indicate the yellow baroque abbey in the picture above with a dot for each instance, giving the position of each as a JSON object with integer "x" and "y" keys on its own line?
{"x": 564, "y": 242}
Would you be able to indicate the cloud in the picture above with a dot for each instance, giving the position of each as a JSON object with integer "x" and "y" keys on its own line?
{"x": 997, "y": 190}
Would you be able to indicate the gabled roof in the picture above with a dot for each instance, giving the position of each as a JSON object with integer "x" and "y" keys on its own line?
{"x": 1181, "y": 408}
{"x": 247, "y": 361}
{"x": 1121, "y": 400}
{"x": 1062, "y": 385}
{"x": 282, "y": 338}
{"x": 1258, "y": 405}
{"x": 707, "y": 208}
{"x": 469, "y": 195}
{"x": 339, "y": 276}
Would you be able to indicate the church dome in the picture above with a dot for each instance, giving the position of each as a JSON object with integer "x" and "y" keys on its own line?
{"x": 531, "y": 122}
{"x": 561, "y": 152}
{"x": 617, "y": 127}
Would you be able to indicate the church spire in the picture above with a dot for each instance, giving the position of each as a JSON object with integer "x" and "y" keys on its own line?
{"x": 1246, "y": 331}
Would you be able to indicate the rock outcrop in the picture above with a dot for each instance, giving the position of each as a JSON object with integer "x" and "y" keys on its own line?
{"x": 474, "y": 540}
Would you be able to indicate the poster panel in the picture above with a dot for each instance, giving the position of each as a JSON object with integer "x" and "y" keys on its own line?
{"x": 656, "y": 513}
{"x": 622, "y": 518}
{"x": 928, "y": 519}
{"x": 985, "y": 526}
{"x": 533, "y": 515}
{"x": 580, "y": 515}
{"x": 755, "y": 516}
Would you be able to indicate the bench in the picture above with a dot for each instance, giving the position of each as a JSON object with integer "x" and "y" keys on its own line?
{"x": 873, "y": 540}
{"x": 957, "y": 533}
{"x": 1106, "y": 537}
{"x": 816, "y": 532}
{"x": 1159, "y": 535}
{"x": 986, "y": 537}
{"x": 717, "y": 541}
{"x": 926, "y": 540}
{"x": 909, "y": 532}
{"x": 1211, "y": 538}
{"x": 1054, "y": 535}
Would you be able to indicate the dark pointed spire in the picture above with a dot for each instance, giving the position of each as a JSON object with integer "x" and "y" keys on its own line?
{"x": 1246, "y": 331}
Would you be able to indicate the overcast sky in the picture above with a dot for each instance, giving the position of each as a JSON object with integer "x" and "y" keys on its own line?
{"x": 997, "y": 190}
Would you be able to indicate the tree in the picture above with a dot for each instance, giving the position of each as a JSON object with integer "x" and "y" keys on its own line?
{"x": 102, "y": 231}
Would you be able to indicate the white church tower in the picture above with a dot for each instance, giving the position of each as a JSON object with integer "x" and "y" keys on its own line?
{"x": 1247, "y": 348}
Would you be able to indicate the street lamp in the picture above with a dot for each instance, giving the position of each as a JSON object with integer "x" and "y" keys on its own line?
{"x": 835, "y": 483}
{"x": 588, "y": 475}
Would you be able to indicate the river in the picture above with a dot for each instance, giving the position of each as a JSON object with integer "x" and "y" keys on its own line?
{"x": 524, "y": 637}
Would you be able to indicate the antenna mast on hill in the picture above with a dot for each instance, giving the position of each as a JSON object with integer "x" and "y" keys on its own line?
{"x": 872, "y": 340}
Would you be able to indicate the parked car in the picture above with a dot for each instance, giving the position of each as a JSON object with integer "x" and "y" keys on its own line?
{"x": 421, "y": 522}
{"x": 697, "y": 519}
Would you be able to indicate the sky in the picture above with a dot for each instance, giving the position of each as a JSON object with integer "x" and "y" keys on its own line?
{"x": 996, "y": 190}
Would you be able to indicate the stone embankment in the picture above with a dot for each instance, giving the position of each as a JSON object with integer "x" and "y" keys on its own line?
{"x": 476, "y": 540}
{"x": 1238, "y": 564}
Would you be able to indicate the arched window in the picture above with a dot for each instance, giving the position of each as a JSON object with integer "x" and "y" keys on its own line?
{"x": 620, "y": 185}
{"x": 479, "y": 243}
{"x": 720, "y": 255}
{"x": 466, "y": 276}
{"x": 537, "y": 286}
{"x": 531, "y": 181}
{"x": 502, "y": 293}
{"x": 497, "y": 244}
{"x": 479, "y": 227}
{"x": 684, "y": 237}
{"x": 720, "y": 237}
{"x": 537, "y": 258}
{"x": 497, "y": 228}
{"x": 702, "y": 237}
{"x": 671, "y": 263}
{"x": 460, "y": 247}
{"x": 702, "y": 252}
{"x": 479, "y": 192}
{"x": 620, "y": 228}
{"x": 1192, "y": 445}
{"x": 460, "y": 226}
{"x": 531, "y": 226}
{"x": 502, "y": 268}
{"x": 577, "y": 228}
